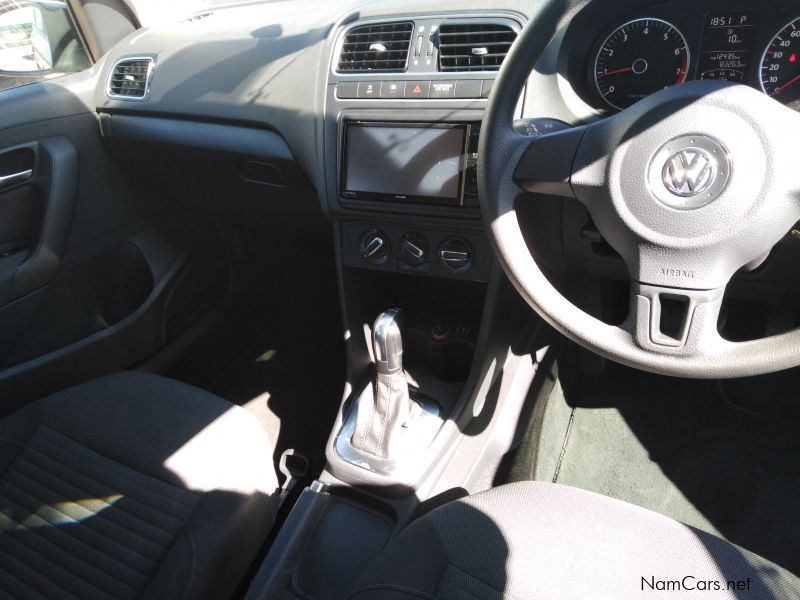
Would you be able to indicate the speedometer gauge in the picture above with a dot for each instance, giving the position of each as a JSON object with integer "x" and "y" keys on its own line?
{"x": 780, "y": 67}
{"x": 638, "y": 59}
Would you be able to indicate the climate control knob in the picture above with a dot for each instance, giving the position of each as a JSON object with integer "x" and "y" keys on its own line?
{"x": 414, "y": 247}
{"x": 456, "y": 254}
{"x": 374, "y": 246}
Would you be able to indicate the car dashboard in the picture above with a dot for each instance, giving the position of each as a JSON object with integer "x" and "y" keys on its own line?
{"x": 379, "y": 106}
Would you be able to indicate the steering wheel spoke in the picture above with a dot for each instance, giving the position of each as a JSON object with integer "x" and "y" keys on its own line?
{"x": 546, "y": 164}
{"x": 675, "y": 321}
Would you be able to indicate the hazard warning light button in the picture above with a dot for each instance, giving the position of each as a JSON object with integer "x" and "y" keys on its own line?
{"x": 418, "y": 89}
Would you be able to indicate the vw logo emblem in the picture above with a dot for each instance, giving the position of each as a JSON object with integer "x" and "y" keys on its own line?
{"x": 689, "y": 172}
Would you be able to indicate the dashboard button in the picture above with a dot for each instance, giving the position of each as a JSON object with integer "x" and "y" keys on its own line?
{"x": 369, "y": 89}
{"x": 418, "y": 89}
{"x": 347, "y": 89}
{"x": 443, "y": 89}
{"x": 469, "y": 88}
{"x": 393, "y": 89}
{"x": 487, "y": 87}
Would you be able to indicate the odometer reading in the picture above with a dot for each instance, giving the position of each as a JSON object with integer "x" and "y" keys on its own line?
{"x": 728, "y": 46}
{"x": 780, "y": 67}
{"x": 638, "y": 59}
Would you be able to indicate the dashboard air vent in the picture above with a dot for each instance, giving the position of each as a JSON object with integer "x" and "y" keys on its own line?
{"x": 474, "y": 46}
{"x": 379, "y": 47}
{"x": 197, "y": 17}
{"x": 130, "y": 78}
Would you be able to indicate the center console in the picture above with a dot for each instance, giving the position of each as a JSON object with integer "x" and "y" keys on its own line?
{"x": 427, "y": 313}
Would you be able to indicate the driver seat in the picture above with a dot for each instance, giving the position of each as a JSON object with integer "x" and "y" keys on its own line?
{"x": 542, "y": 540}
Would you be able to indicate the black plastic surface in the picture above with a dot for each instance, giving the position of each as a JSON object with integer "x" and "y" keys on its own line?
{"x": 347, "y": 537}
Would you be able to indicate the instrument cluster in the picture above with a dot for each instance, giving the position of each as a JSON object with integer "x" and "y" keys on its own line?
{"x": 645, "y": 53}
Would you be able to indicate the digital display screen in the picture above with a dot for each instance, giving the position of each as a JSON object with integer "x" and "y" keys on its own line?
{"x": 728, "y": 46}
{"x": 404, "y": 162}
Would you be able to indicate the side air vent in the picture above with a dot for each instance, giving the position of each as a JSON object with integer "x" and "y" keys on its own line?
{"x": 474, "y": 46}
{"x": 130, "y": 78}
{"x": 380, "y": 47}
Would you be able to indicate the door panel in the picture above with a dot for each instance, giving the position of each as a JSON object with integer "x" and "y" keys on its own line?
{"x": 31, "y": 255}
{"x": 92, "y": 268}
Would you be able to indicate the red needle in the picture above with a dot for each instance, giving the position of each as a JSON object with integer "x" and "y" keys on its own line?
{"x": 786, "y": 85}
{"x": 617, "y": 72}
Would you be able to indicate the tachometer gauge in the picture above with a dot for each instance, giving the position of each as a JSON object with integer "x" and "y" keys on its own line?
{"x": 780, "y": 67}
{"x": 638, "y": 59}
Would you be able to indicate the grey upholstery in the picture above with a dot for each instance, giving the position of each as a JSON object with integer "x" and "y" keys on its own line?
{"x": 541, "y": 540}
{"x": 131, "y": 486}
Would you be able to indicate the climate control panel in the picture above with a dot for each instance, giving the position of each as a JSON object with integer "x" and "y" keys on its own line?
{"x": 411, "y": 250}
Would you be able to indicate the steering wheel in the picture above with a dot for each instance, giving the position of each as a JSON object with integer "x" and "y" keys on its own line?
{"x": 689, "y": 186}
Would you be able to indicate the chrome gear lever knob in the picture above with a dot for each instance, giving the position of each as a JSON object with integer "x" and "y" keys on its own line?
{"x": 387, "y": 342}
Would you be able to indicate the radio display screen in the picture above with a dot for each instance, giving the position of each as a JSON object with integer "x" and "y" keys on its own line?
{"x": 404, "y": 162}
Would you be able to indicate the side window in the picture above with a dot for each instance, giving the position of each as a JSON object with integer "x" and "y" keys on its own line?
{"x": 38, "y": 40}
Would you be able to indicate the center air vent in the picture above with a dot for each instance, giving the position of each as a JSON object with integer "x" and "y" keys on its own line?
{"x": 380, "y": 47}
{"x": 130, "y": 78}
{"x": 474, "y": 46}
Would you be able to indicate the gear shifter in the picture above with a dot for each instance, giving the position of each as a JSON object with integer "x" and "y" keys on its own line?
{"x": 385, "y": 406}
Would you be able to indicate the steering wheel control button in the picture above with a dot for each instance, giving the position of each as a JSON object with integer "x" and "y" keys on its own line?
{"x": 689, "y": 172}
{"x": 414, "y": 247}
{"x": 456, "y": 254}
{"x": 374, "y": 246}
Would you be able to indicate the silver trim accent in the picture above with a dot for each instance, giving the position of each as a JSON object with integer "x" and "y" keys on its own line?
{"x": 9, "y": 181}
{"x": 615, "y": 30}
{"x": 690, "y": 172}
{"x": 676, "y": 179}
{"x": 150, "y": 70}
{"x": 387, "y": 342}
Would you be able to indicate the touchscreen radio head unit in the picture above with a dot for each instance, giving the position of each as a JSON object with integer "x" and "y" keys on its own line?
{"x": 421, "y": 163}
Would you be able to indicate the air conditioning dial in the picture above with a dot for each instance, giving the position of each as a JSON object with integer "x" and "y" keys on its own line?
{"x": 374, "y": 246}
{"x": 456, "y": 254}
{"x": 414, "y": 247}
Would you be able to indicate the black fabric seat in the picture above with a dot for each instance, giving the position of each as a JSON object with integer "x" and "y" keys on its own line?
{"x": 540, "y": 540}
{"x": 132, "y": 486}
